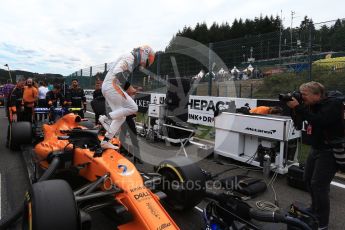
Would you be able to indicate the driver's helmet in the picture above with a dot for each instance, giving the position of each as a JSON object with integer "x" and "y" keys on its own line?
{"x": 144, "y": 55}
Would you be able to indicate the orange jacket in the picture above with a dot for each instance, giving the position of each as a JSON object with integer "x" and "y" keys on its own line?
{"x": 30, "y": 95}
{"x": 261, "y": 110}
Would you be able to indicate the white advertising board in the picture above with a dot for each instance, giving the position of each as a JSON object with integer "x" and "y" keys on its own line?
{"x": 201, "y": 108}
{"x": 158, "y": 98}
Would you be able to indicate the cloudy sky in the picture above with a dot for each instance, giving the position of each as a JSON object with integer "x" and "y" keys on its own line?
{"x": 63, "y": 36}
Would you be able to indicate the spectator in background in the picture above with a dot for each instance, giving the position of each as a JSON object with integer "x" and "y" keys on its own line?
{"x": 98, "y": 102}
{"x": 52, "y": 98}
{"x": 55, "y": 95}
{"x": 30, "y": 96}
{"x": 64, "y": 88}
{"x": 35, "y": 84}
{"x": 50, "y": 87}
{"x": 7, "y": 90}
{"x": 42, "y": 92}
{"x": 75, "y": 97}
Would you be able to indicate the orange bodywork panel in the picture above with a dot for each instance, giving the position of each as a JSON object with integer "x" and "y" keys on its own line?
{"x": 147, "y": 211}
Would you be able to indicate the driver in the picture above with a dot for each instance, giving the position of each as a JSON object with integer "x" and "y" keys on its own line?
{"x": 116, "y": 89}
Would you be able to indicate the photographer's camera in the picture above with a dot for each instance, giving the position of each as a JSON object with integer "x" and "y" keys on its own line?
{"x": 298, "y": 121}
{"x": 288, "y": 97}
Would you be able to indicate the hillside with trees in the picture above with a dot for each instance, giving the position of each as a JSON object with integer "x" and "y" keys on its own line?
{"x": 258, "y": 38}
{"x": 47, "y": 77}
{"x": 222, "y": 32}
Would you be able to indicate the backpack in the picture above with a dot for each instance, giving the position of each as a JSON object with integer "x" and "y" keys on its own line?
{"x": 336, "y": 94}
{"x": 338, "y": 145}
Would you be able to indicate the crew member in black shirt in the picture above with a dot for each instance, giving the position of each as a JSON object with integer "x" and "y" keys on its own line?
{"x": 75, "y": 97}
{"x": 98, "y": 102}
{"x": 52, "y": 97}
{"x": 15, "y": 106}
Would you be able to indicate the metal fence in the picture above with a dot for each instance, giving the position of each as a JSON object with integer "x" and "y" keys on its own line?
{"x": 249, "y": 65}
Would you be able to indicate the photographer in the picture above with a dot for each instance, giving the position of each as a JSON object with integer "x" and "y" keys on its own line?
{"x": 325, "y": 123}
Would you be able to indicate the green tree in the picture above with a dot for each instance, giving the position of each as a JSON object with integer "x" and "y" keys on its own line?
{"x": 337, "y": 40}
{"x": 201, "y": 33}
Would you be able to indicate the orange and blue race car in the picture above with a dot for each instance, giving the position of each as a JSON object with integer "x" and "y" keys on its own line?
{"x": 110, "y": 182}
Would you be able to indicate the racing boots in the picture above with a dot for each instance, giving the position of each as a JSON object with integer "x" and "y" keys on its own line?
{"x": 108, "y": 145}
{"x": 105, "y": 121}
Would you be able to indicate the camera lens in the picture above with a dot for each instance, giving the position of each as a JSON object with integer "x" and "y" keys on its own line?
{"x": 284, "y": 97}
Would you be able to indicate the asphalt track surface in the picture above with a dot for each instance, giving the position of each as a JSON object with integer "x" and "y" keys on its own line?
{"x": 14, "y": 183}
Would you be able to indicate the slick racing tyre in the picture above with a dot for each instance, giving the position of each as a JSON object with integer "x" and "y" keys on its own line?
{"x": 183, "y": 182}
{"x": 51, "y": 205}
{"x": 20, "y": 134}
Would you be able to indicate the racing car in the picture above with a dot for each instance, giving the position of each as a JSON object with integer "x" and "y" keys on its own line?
{"x": 110, "y": 182}
{"x": 132, "y": 199}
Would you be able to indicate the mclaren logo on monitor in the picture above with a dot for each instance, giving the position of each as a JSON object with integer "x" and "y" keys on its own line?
{"x": 261, "y": 130}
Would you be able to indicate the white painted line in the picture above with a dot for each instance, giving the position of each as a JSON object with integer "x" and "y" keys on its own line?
{"x": 199, "y": 209}
{"x": 338, "y": 184}
{"x": 90, "y": 112}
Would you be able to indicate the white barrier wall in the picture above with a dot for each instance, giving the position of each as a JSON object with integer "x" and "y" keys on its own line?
{"x": 200, "y": 108}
